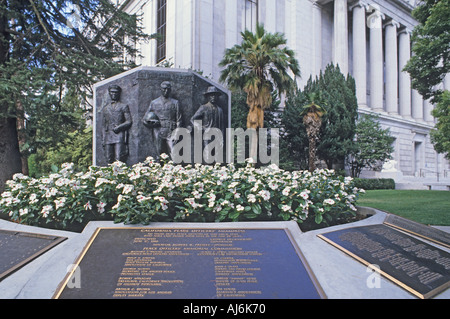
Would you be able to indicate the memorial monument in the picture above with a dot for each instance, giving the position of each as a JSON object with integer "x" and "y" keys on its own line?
{"x": 160, "y": 102}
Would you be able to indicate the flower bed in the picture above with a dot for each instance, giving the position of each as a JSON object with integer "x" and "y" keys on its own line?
{"x": 164, "y": 192}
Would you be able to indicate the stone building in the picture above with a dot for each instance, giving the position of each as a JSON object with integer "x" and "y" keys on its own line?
{"x": 370, "y": 39}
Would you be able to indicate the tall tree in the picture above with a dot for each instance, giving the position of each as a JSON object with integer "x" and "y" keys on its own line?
{"x": 49, "y": 48}
{"x": 339, "y": 123}
{"x": 441, "y": 136}
{"x": 373, "y": 145}
{"x": 430, "y": 44}
{"x": 259, "y": 66}
{"x": 312, "y": 119}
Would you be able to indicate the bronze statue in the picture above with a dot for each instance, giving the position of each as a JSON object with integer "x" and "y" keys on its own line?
{"x": 163, "y": 117}
{"x": 211, "y": 117}
{"x": 116, "y": 123}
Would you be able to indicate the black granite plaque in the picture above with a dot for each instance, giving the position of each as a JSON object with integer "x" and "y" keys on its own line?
{"x": 430, "y": 233}
{"x": 416, "y": 266}
{"x": 19, "y": 248}
{"x": 192, "y": 264}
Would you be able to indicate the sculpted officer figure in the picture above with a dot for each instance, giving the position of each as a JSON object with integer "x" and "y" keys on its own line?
{"x": 116, "y": 123}
{"x": 210, "y": 115}
{"x": 163, "y": 117}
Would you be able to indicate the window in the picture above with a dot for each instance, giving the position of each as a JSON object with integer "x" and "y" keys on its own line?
{"x": 161, "y": 17}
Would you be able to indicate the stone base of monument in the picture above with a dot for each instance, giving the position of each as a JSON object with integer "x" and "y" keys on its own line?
{"x": 260, "y": 260}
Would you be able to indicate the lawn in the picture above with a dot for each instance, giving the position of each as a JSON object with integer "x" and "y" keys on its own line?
{"x": 426, "y": 207}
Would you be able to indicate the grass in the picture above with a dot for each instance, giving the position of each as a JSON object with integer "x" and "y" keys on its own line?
{"x": 426, "y": 207}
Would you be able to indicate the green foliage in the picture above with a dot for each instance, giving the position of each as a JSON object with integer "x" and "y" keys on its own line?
{"x": 260, "y": 64}
{"x": 374, "y": 183}
{"x": 51, "y": 52}
{"x": 338, "y": 124}
{"x": 155, "y": 192}
{"x": 441, "y": 136}
{"x": 430, "y": 44}
{"x": 294, "y": 142}
{"x": 76, "y": 148}
{"x": 373, "y": 145}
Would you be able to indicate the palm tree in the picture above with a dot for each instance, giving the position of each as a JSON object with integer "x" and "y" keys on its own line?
{"x": 312, "y": 119}
{"x": 260, "y": 65}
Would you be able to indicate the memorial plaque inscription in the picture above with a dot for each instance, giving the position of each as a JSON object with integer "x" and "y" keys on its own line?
{"x": 416, "y": 266}
{"x": 438, "y": 236}
{"x": 192, "y": 264}
{"x": 19, "y": 248}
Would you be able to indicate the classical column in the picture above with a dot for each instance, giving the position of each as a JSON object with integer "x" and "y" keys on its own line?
{"x": 317, "y": 37}
{"x": 341, "y": 35}
{"x": 447, "y": 82}
{"x": 404, "y": 81}
{"x": 427, "y": 109}
{"x": 375, "y": 22}
{"x": 391, "y": 67}
{"x": 417, "y": 106}
{"x": 360, "y": 52}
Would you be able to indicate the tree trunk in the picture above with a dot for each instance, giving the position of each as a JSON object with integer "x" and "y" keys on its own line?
{"x": 255, "y": 121}
{"x": 22, "y": 136}
{"x": 10, "y": 160}
{"x": 312, "y": 154}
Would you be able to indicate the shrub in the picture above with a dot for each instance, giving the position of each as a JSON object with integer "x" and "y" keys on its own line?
{"x": 157, "y": 192}
{"x": 375, "y": 183}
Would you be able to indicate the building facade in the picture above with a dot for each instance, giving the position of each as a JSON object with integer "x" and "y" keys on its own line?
{"x": 369, "y": 39}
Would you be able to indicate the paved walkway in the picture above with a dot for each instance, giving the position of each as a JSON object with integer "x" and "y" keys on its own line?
{"x": 340, "y": 276}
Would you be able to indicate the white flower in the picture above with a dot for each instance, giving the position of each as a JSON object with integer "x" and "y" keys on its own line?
{"x": 88, "y": 206}
{"x": 251, "y": 198}
{"x": 101, "y": 207}
{"x": 329, "y": 201}
{"x": 304, "y": 195}
{"x": 101, "y": 181}
{"x": 286, "y": 208}
{"x": 192, "y": 202}
{"x": 264, "y": 194}
{"x": 23, "y": 211}
{"x": 60, "y": 202}
{"x": 196, "y": 194}
{"x": 33, "y": 198}
{"x": 127, "y": 189}
{"x": 225, "y": 203}
{"x": 51, "y": 192}
{"x": 286, "y": 191}
{"x": 46, "y": 210}
{"x": 273, "y": 185}
{"x": 239, "y": 208}
{"x": 233, "y": 185}
{"x": 6, "y": 194}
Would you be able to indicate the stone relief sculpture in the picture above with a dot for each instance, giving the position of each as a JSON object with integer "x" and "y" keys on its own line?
{"x": 116, "y": 123}
{"x": 163, "y": 117}
{"x": 147, "y": 111}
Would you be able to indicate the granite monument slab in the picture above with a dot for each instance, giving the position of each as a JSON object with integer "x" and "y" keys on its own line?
{"x": 19, "y": 248}
{"x": 420, "y": 268}
{"x": 152, "y": 104}
{"x": 427, "y": 232}
{"x": 189, "y": 263}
